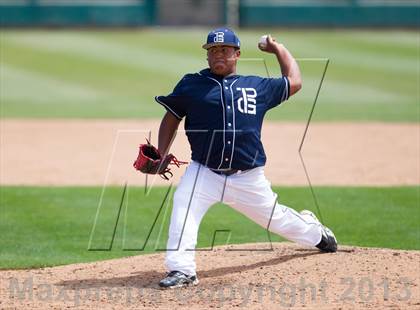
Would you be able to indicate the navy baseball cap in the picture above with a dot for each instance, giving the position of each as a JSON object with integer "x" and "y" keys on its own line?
{"x": 222, "y": 36}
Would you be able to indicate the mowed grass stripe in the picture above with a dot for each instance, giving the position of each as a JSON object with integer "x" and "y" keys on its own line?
{"x": 355, "y": 64}
{"x": 21, "y": 84}
{"x": 91, "y": 47}
{"x": 352, "y": 51}
{"x": 43, "y": 226}
{"x": 347, "y": 51}
{"x": 398, "y": 38}
{"x": 37, "y": 91}
{"x": 150, "y": 50}
{"x": 100, "y": 67}
{"x": 123, "y": 91}
{"x": 352, "y": 84}
{"x": 336, "y": 85}
{"x": 68, "y": 67}
{"x": 360, "y": 70}
{"x": 130, "y": 68}
{"x": 140, "y": 55}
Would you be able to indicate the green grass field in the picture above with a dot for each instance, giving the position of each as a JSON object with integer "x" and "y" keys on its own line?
{"x": 51, "y": 226}
{"x": 373, "y": 75}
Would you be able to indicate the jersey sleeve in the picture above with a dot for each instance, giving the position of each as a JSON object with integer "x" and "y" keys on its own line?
{"x": 276, "y": 91}
{"x": 177, "y": 101}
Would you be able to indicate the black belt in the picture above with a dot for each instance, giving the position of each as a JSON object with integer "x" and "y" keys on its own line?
{"x": 226, "y": 172}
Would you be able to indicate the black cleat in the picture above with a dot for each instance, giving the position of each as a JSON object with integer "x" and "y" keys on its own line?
{"x": 328, "y": 241}
{"x": 176, "y": 279}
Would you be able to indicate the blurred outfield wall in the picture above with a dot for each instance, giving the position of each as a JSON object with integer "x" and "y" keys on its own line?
{"x": 244, "y": 13}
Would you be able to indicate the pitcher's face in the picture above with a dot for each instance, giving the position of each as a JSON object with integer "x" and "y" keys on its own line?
{"x": 222, "y": 59}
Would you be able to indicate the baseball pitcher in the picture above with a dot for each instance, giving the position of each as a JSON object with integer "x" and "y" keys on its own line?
{"x": 223, "y": 114}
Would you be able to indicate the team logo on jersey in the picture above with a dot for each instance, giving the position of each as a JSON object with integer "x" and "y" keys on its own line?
{"x": 219, "y": 37}
{"x": 247, "y": 103}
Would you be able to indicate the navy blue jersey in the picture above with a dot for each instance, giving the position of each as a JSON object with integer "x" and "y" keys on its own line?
{"x": 224, "y": 115}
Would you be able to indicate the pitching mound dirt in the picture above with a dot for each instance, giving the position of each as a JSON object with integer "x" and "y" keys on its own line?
{"x": 288, "y": 276}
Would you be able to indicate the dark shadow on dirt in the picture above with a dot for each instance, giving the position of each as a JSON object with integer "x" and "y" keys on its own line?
{"x": 149, "y": 279}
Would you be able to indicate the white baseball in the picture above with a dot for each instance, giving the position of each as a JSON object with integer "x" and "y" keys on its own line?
{"x": 262, "y": 43}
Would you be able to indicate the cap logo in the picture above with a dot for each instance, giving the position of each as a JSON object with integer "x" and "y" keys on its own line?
{"x": 219, "y": 37}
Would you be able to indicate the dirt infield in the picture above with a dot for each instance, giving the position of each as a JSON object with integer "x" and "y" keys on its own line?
{"x": 96, "y": 152}
{"x": 289, "y": 276}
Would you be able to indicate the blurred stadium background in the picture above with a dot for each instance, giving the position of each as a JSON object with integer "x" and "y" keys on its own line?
{"x": 243, "y": 13}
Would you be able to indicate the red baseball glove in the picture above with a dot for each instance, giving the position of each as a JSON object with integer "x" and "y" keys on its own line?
{"x": 150, "y": 161}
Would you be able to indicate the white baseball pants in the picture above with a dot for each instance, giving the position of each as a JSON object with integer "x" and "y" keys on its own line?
{"x": 248, "y": 192}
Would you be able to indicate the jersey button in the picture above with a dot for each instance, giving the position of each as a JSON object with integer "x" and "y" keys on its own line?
{"x": 229, "y": 142}
{"x": 228, "y": 106}
{"x": 226, "y": 159}
{"x": 229, "y": 124}
{"x": 226, "y": 87}
{"x": 226, "y": 81}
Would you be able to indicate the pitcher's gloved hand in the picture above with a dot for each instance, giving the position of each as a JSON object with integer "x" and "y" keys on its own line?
{"x": 150, "y": 161}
